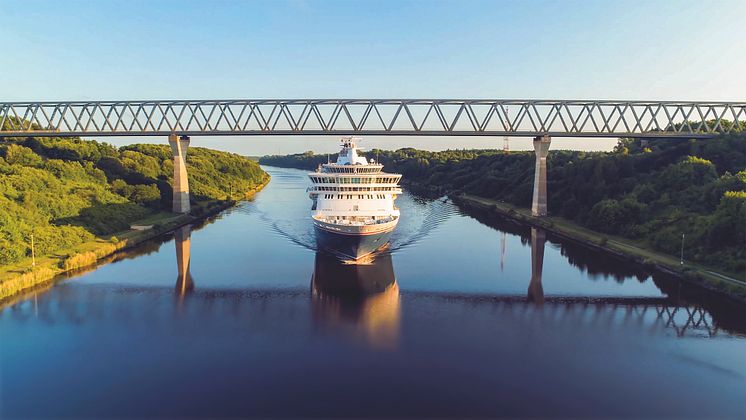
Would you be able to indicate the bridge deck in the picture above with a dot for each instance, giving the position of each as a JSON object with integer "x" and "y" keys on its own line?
{"x": 375, "y": 117}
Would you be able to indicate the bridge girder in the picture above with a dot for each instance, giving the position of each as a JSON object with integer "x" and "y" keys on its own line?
{"x": 374, "y": 117}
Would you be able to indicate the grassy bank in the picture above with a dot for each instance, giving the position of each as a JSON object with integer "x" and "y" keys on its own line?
{"x": 728, "y": 283}
{"x": 19, "y": 278}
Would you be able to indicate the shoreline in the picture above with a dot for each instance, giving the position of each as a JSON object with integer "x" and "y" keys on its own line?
{"x": 725, "y": 284}
{"x": 45, "y": 275}
{"x": 621, "y": 248}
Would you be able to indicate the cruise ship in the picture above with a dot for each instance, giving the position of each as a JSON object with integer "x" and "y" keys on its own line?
{"x": 353, "y": 209}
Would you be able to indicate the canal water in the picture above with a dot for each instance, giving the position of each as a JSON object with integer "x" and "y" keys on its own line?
{"x": 462, "y": 316}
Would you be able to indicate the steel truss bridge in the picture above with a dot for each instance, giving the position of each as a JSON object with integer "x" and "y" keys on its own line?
{"x": 374, "y": 117}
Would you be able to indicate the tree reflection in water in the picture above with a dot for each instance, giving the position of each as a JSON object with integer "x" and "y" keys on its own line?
{"x": 363, "y": 296}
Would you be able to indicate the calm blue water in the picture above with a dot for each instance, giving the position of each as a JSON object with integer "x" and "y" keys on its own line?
{"x": 241, "y": 317}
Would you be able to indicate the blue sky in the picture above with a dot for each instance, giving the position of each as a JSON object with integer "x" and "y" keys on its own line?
{"x": 87, "y": 50}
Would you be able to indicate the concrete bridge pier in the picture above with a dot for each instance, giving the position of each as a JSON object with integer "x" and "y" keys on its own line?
{"x": 179, "y": 145}
{"x": 535, "y": 288}
{"x": 539, "y": 203}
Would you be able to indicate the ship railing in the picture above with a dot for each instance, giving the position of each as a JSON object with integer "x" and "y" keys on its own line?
{"x": 366, "y": 222}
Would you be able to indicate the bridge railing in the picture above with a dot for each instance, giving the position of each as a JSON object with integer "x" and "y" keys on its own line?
{"x": 428, "y": 117}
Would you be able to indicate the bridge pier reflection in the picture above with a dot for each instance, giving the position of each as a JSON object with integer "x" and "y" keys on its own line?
{"x": 179, "y": 145}
{"x": 535, "y": 288}
{"x": 364, "y": 296}
{"x": 184, "y": 282}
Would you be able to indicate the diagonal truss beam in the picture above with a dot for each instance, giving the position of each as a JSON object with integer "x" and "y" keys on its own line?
{"x": 402, "y": 117}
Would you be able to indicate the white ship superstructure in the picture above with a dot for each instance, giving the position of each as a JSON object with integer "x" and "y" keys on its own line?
{"x": 353, "y": 207}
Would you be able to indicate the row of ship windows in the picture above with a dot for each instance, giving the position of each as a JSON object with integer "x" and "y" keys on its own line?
{"x": 351, "y": 180}
{"x": 350, "y": 196}
{"x": 352, "y": 169}
{"x": 353, "y": 189}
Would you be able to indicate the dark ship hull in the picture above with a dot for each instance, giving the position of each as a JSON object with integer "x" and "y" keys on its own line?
{"x": 350, "y": 245}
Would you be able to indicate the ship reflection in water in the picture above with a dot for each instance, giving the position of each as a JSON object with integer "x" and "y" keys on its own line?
{"x": 363, "y": 297}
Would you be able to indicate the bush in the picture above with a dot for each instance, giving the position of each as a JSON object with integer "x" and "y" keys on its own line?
{"x": 67, "y": 191}
{"x": 78, "y": 261}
